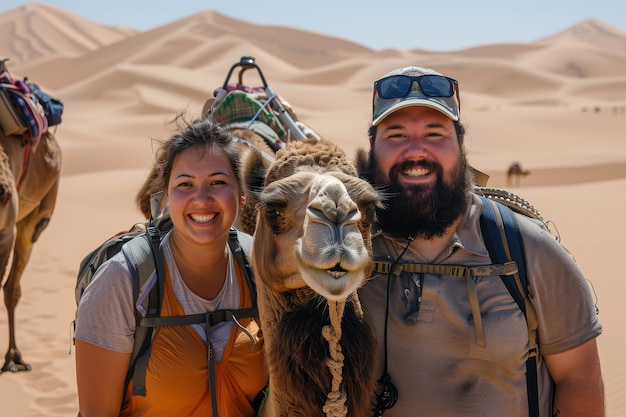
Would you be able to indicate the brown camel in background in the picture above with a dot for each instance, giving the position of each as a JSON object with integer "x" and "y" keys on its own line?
{"x": 29, "y": 181}
{"x": 514, "y": 173}
{"x": 311, "y": 252}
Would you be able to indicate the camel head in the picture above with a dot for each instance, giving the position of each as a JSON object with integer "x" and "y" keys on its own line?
{"x": 313, "y": 219}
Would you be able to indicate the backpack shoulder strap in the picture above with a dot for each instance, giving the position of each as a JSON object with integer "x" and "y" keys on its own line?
{"x": 504, "y": 243}
{"x": 241, "y": 245}
{"x": 144, "y": 258}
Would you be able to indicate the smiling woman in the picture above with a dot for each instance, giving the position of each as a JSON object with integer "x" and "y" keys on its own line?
{"x": 198, "y": 170}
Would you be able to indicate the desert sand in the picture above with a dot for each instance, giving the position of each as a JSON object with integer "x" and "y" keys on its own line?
{"x": 556, "y": 105}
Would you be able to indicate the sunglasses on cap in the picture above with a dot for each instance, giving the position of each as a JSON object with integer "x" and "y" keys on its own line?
{"x": 431, "y": 85}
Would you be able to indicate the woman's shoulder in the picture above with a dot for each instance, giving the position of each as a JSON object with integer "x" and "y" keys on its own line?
{"x": 114, "y": 273}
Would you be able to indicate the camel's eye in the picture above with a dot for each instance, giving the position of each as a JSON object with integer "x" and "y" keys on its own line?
{"x": 271, "y": 211}
{"x": 368, "y": 217}
{"x": 273, "y": 218}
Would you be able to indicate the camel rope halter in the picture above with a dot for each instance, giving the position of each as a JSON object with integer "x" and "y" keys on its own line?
{"x": 336, "y": 400}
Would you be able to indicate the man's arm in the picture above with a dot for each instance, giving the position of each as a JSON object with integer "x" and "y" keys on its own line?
{"x": 578, "y": 379}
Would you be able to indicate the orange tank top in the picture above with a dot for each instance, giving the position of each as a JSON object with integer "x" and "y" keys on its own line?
{"x": 177, "y": 382}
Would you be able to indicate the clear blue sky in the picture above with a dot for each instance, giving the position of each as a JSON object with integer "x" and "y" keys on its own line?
{"x": 433, "y": 25}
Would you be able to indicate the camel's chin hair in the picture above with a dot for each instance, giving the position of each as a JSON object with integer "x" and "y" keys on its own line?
{"x": 330, "y": 287}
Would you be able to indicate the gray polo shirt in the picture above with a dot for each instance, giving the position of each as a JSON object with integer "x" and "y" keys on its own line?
{"x": 433, "y": 356}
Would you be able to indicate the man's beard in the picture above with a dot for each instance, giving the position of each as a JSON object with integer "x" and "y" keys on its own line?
{"x": 424, "y": 211}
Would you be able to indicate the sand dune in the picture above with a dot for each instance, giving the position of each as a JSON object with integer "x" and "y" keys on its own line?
{"x": 558, "y": 106}
{"x": 592, "y": 32}
{"x": 36, "y": 31}
{"x": 589, "y": 61}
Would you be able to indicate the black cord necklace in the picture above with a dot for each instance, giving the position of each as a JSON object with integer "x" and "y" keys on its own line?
{"x": 389, "y": 394}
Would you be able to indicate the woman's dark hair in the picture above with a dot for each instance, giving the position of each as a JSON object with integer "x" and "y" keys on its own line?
{"x": 201, "y": 133}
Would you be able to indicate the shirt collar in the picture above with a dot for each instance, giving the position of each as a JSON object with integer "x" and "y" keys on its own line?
{"x": 468, "y": 236}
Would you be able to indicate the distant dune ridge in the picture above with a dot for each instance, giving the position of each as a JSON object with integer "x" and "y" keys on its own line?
{"x": 556, "y": 105}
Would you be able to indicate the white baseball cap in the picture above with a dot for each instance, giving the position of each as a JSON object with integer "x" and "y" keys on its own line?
{"x": 405, "y": 89}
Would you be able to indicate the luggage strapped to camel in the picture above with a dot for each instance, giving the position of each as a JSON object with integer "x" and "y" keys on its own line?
{"x": 256, "y": 108}
{"x": 504, "y": 243}
{"x": 25, "y": 110}
{"x": 141, "y": 247}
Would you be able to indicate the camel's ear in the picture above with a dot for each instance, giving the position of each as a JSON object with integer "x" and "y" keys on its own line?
{"x": 151, "y": 185}
{"x": 253, "y": 170}
{"x": 361, "y": 157}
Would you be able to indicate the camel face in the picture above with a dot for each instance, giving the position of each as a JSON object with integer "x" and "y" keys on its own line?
{"x": 319, "y": 224}
{"x": 313, "y": 225}
{"x": 332, "y": 252}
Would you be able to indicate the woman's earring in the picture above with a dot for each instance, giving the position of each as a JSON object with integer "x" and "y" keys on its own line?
{"x": 242, "y": 200}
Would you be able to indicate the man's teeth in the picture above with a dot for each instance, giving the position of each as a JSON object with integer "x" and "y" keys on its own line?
{"x": 417, "y": 172}
{"x": 202, "y": 218}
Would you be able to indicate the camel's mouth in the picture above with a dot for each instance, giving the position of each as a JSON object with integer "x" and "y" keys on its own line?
{"x": 335, "y": 283}
{"x": 336, "y": 271}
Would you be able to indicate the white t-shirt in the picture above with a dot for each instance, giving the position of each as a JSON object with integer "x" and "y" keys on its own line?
{"x": 106, "y": 315}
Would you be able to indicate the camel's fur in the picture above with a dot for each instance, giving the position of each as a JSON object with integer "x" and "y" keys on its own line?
{"x": 314, "y": 217}
{"x": 23, "y": 216}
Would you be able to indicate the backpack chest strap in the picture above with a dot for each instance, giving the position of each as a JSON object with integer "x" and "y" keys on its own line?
{"x": 457, "y": 271}
{"x": 210, "y": 318}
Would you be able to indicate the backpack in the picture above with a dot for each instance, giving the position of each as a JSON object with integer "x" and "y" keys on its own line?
{"x": 146, "y": 263}
{"x": 504, "y": 243}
